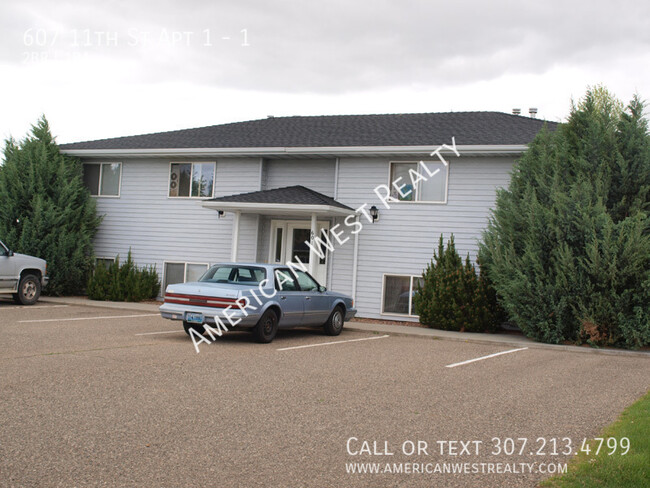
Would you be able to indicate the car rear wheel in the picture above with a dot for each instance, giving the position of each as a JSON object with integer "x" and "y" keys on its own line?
{"x": 334, "y": 324}
{"x": 266, "y": 328}
{"x": 29, "y": 290}
{"x": 199, "y": 329}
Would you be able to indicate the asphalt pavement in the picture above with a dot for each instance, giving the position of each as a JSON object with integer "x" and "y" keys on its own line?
{"x": 93, "y": 396}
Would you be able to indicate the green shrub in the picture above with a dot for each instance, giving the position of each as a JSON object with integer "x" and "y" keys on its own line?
{"x": 123, "y": 282}
{"x": 454, "y": 297}
{"x": 568, "y": 244}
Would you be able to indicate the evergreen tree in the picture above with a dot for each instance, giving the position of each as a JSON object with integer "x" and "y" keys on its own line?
{"x": 568, "y": 244}
{"x": 452, "y": 295}
{"x": 45, "y": 209}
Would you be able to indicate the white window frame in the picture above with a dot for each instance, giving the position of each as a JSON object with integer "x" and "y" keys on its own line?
{"x": 99, "y": 183}
{"x": 169, "y": 178}
{"x": 426, "y": 175}
{"x": 383, "y": 290}
{"x": 184, "y": 263}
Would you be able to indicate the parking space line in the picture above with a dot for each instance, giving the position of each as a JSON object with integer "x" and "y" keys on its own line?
{"x": 162, "y": 332}
{"x": 32, "y": 307}
{"x": 331, "y": 343}
{"x": 485, "y": 357}
{"x": 90, "y": 318}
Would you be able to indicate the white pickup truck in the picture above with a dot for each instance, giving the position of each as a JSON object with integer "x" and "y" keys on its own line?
{"x": 21, "y": 276}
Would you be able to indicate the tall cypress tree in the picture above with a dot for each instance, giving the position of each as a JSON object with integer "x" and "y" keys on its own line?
{"x": 568, "y": 244}
{"x": 45, "y": 209}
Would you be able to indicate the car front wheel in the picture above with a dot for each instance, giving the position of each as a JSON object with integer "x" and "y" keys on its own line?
{"x": 29, "y": 290}
{"x": 266, "y": 328}
{"x": 334, "y": 324}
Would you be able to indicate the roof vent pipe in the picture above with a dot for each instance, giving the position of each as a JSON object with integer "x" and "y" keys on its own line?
{"x": 516, "y": 111}
{"x": 532, "y": 111}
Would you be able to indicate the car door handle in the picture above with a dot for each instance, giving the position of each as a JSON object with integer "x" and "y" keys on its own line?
{"x": 283, "y": 298}
{"x": 307, "y": 298}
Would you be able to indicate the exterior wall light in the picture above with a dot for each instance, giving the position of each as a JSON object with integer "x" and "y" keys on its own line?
{"x": 374, "y": 213}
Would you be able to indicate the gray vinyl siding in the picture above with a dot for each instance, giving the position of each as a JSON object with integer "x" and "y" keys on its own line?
{"x": 403, "y": 239}
{"x": 161, "y": 229}
{"x": 317, "y": 174}
{"x": 263, "y": 239}
{"x": 342, "y": 262}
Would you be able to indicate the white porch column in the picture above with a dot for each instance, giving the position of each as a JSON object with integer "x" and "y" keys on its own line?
{"x": 235, "y": 236}
{"x": 312, "y": 239}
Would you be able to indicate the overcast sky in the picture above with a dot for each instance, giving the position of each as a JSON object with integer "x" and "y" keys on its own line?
{"x": 106, "y": 68}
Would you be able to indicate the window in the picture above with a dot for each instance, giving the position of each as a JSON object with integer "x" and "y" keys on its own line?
{"x": 299, "y": 245}
{"x": 103, "y": 179}
{"x": 183, "y": 272}
{"x": 285, "y": 281}
{"x": 421, "y": 181}
{"x": 234, "y": 274}
{"x": 106, "y": 262}
{"x": 194, "y": 271}
{"x": 306, "y": 282}
{"x": 194, "y": 180}
{"x": 278, "y": 245}
{"x": 398, "y": 294}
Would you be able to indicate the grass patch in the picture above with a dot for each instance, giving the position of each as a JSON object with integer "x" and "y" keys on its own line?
{"x": 631, "y": 470}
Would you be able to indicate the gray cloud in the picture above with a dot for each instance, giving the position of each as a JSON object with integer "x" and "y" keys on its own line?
{"x": 335, "y": 46}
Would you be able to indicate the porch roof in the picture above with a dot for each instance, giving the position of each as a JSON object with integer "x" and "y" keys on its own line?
{"x": 291, "y": 200}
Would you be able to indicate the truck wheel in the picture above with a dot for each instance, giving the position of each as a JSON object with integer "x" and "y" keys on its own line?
{"x": 199, "y": 329}
{"x": 29, "y": 290}
{"x": 266, "y": 328}
{"x": 334, "y": 324}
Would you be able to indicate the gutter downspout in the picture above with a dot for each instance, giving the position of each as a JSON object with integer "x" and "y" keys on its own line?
{"x": 355, "y": 264}
{"x": 336, "y": 179}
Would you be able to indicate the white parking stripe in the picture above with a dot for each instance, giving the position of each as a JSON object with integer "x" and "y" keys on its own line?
{"x": 163, "y": 332}
{"x": 485, "y": 357}
{"x": 32, "y": 307}
{"x": 330, "y": 343}
{"x": 90, "y": 318}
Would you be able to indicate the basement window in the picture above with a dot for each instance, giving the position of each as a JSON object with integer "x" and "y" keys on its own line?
{"x": 182, "y": 272}
{"x": 397, "y": 295}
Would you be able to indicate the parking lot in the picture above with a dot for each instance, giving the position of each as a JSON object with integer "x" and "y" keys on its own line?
{"x": 105, "y": 397}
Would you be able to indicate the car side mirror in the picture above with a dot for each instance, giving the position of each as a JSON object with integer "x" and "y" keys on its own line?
{"x": 10, "y": 253}
{"x": 322, "y": 289}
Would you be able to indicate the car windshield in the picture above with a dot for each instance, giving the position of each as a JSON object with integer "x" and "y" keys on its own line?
{"x": 249, "y": 275}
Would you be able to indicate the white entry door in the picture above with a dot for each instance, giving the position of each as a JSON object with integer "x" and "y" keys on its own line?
{"x": 288, "y": 241}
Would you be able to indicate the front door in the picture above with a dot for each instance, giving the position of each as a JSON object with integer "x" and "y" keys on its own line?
{"x": 288, "y": 241}
{"x": 298, "y": 235}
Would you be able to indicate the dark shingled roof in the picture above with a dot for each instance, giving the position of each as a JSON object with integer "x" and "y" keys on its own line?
{"x": 296, "y": 195}
{"x": 428, "y": 129}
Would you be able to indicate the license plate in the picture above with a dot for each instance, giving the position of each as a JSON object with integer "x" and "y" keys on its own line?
{"x": 194, "y": 318}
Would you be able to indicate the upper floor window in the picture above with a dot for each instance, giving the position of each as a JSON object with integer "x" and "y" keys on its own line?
{"x": 103, "y": 179}
{"x": 191, "y": 180}
{"x": 419, "y": 181}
